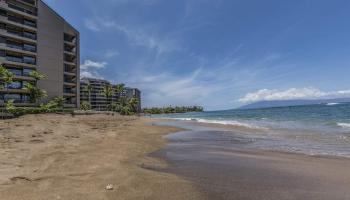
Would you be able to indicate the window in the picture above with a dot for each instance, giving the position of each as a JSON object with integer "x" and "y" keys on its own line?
{"x": 16, "y": 72}
{"x": 15, "y": 85}
{"x": 14, "y": 45}
{"x": 2, "y": 26}
{"x": 15, "y": 97}
{"x": 29, "y": 60}
{"x": 26, "y": 71}
{"x": 29, "y": 23}
{"x": 14, "y": 59}
{"x": 29, "y": 35}
{"x": 3, "y": 13}
{"x": 29, "y": 47}
{"x": 25, "y": 98}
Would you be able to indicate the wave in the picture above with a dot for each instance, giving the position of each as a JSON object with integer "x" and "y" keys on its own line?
{"x": 344, "y": 125}
{"x": 332, "y": 104}
{"x": 223, "y": 122}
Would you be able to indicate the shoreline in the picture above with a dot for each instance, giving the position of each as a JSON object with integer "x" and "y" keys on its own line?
{"x": 218, "y": 164}
{"x": 52, "y": 156}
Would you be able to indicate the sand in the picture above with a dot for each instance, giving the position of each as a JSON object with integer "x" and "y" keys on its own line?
{"x": 70, "y": 158}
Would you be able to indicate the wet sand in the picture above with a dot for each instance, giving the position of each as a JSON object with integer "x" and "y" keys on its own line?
{"x": 218, "y": 163}
{"x": 49, "y": 157}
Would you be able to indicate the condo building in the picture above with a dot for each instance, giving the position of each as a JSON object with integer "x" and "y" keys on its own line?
{"x": 133, "y": 93}
{"x": 96, "y": 97}
{"x": 35, "y": 37}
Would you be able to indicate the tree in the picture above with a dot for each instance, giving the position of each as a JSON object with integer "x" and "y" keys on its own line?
{"x": 88, "y": 88}
{"x": 108, "y": 92}
{"x": 119, "y": 88}
{"x": 36, "y": 75}
{"x": 6, "y": 78}
{"x": 125, "y": 110}
{"x": 134, "y": 105}
{"x": 34, "y": 92}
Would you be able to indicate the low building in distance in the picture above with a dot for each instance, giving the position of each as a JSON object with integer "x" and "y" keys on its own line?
{"x": 92, "y": 91}
{"x": 95, "y": 95}
{"x": 35, "y": 37}
{"x": 133, "y": 93}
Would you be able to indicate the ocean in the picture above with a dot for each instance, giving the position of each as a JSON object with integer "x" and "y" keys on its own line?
{"x": 322, "y": 129}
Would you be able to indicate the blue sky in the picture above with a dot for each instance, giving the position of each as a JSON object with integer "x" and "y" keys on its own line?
{"x": 219, "y": 54}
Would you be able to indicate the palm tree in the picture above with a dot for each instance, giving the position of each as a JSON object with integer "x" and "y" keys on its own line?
{"x": 6, "y": 78}
{"x": 134, "y": 105}
{"x": 119, "y": 88}
{"x": 35, "y": 93}
{"x": 88, "y": 88}
{"x": 108, "y": 92}
{"x": 36, "y": 75}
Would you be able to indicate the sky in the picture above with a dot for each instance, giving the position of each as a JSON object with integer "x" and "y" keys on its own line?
{"x": 220, "y": 54}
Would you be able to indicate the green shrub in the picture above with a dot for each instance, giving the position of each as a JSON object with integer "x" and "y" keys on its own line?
{"x": 85, "y": 105}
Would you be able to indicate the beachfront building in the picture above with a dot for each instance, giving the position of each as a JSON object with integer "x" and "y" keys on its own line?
{"x": 133, "y": 93}
{"x": 92, "y": 91}
{"x": 35, "y": 37}
{"x": 95, "y": 95}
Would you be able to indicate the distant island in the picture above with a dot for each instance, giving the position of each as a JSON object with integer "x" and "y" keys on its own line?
{"x": 284, "y": 103}
{"x": 170, "y": 109}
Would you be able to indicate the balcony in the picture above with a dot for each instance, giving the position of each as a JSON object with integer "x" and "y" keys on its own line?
{"x": 29, "y": 2}
{"x": 24, "y": 60}
{"x": 69, "y": 38}
{"x": 24, "y": 36}
{"x": 21, "y": 11}
{"x": 14, "y": 61}
{"x": 23, "y": 49}
{"x": 19, "y": 22}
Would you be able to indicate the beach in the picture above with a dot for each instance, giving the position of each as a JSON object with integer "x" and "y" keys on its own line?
{"x": 63, "y": 157}
{"x": 221, "y": 161}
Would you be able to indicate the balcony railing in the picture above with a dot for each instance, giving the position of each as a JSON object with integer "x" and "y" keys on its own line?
{"x": 69, "y": 69}
{"x": 32, "y": 2}
{"x": 21, "y": 60}
{"x": 21, "y": 21}
{"x": 14, "y": 59}
{"x": 22, "y": 34}
{"x": 24, "y": 47}
{"x": 22, "y": 9}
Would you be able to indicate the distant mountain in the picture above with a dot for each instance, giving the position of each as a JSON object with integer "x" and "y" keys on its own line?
{"x": 284, "y": 103}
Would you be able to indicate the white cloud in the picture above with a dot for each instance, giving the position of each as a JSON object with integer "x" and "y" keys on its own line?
{"x": 92, "y": 64}
{"x": 292, "y": 94}
{"x": 90, "y": 69}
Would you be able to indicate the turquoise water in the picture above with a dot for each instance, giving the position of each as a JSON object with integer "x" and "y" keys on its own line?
{"x": 332, "y": 117}
{"x": 313, "y": 129}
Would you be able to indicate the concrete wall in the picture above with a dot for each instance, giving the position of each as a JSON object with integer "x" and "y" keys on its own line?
{"x": 51, "y": 29}
{"x": 50, "y": 51}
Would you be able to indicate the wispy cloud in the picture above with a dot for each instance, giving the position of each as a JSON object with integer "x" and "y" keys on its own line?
{"x": 168, "y": 88}
{"x": 293, "y": 94}
{"x": 111, "y": 53}
{"x": 90, "y": 69}
{"x": 139, "y": 35}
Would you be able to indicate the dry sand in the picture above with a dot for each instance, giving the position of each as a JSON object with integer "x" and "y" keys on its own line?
{"x": 48, "y": 157}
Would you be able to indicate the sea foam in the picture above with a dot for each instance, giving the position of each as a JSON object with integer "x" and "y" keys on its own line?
{"x": 344, "y": 125}
{"x": 223, "y": 122}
